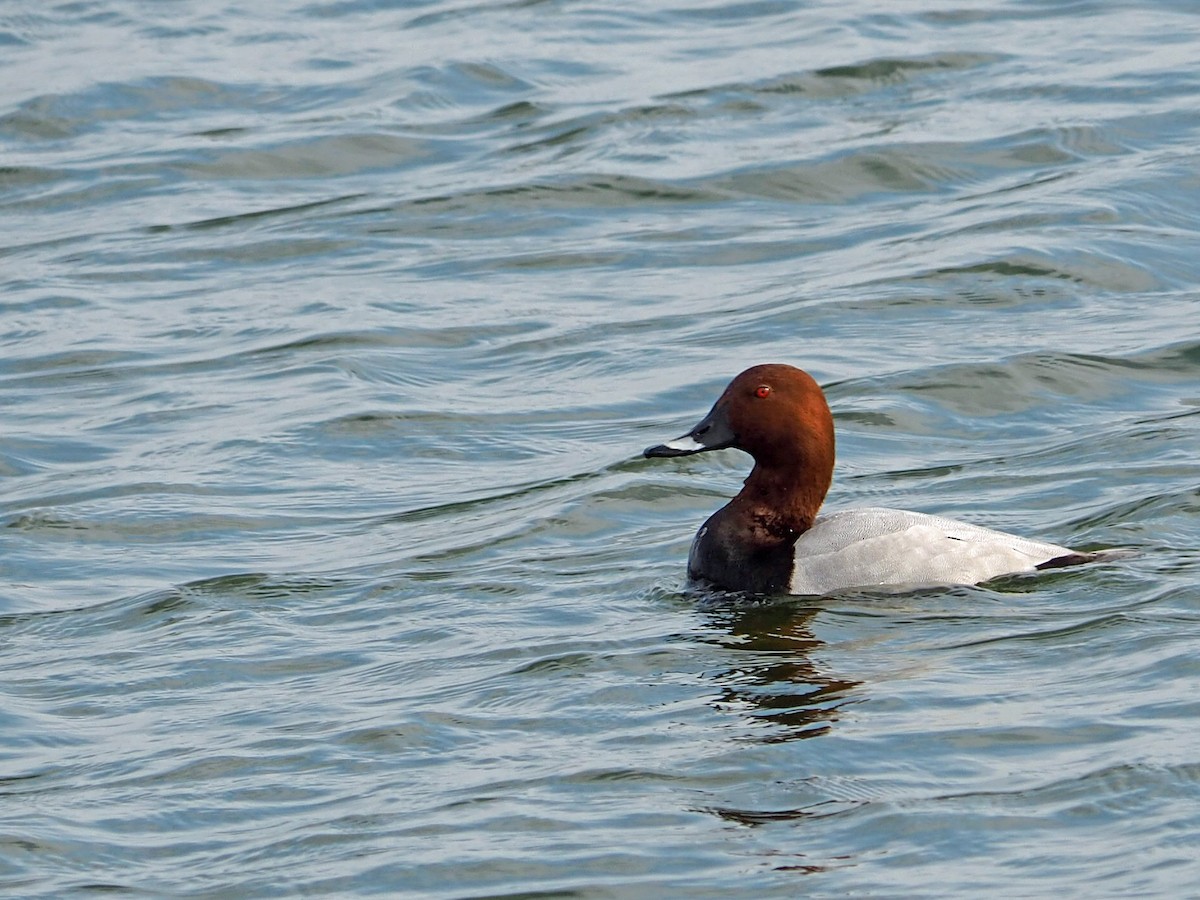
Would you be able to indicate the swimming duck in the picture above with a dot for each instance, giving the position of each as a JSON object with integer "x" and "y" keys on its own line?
{"x": 769, "y": 539}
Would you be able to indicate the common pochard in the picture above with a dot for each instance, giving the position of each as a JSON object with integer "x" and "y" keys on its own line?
{"x": 769, "y": 538}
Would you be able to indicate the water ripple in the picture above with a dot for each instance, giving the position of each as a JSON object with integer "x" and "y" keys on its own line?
{"x": 331, "y": 338}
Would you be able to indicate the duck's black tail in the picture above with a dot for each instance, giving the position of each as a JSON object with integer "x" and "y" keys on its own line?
{"x": 1076, "y": 559}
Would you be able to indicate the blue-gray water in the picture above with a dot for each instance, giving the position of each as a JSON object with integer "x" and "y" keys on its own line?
{"x": 331, "y": 334}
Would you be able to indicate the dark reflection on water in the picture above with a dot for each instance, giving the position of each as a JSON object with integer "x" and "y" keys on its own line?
{"x": 775, "y": 680}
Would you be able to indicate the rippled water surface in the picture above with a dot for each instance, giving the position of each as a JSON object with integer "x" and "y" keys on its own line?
{"x": 332, "y": 333}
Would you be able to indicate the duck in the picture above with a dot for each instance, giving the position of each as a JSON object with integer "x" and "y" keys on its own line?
{"x": 771, "y": 539}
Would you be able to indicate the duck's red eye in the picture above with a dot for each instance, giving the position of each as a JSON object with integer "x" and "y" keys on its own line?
{"x": 763, "y": 391}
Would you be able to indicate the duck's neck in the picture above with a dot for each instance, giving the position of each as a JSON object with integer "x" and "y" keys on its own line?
{"x": 783, "y": 500}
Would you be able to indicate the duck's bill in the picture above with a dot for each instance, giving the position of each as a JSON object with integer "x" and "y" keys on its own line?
{"x": 713, "y": 433}
{"x": 681, "y": 446}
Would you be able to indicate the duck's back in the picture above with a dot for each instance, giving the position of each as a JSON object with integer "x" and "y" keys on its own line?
{"x": 894, "y": 548}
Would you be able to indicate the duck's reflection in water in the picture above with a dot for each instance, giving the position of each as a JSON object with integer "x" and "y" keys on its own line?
{"x": 774, "y": 678}
{"x": 779, "y": 681}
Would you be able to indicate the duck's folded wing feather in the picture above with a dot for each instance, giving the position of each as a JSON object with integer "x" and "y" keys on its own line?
{"x": 890, "y": 548}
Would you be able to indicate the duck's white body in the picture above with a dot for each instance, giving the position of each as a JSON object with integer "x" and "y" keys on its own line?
{"x": 895, "y": 549}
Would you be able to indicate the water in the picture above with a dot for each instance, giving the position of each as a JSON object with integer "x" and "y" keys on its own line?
{"x": 332, "y": 333}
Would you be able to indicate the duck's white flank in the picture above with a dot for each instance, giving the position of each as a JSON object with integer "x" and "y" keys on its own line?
{"x": 894, "y": 548}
